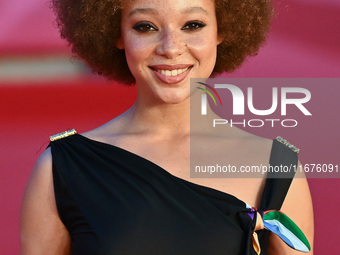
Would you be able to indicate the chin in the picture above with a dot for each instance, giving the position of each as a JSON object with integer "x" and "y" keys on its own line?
{"x": 174, "y": 99}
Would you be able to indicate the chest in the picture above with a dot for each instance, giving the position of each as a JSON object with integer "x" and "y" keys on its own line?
{"x": 177, "y": 160}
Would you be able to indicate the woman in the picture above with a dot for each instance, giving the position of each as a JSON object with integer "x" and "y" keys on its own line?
{"x": 125, "y": 188}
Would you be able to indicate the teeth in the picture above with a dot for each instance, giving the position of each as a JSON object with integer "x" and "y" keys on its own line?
{"x": 172, "y": 72}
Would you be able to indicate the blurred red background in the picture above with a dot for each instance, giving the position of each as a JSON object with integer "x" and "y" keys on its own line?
{"x": 304, "y": 42}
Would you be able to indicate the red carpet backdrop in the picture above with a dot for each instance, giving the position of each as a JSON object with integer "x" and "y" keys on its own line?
{"x": 304, "y": 43}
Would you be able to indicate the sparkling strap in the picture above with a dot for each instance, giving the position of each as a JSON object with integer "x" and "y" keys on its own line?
{"x": 288, "y": 144}
{"x": 63, "y": 135}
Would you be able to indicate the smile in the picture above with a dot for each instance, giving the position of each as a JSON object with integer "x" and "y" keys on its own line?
{"x": 172, "y": 72}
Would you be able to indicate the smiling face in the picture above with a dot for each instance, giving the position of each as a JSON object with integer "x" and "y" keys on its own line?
{"x": 168, "y": 42}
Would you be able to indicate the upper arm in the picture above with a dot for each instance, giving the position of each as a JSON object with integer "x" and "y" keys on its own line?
{"x": 297, "y": 206}
{"x": 41, "y": 230}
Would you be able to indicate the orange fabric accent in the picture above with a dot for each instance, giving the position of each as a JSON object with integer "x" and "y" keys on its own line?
{"x": 259, "y": 222}
{"x": 254, "y": 237}
{"x": 256, "y": 243}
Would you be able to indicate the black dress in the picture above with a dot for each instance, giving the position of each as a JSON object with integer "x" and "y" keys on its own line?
{"x": 114, "y": 202}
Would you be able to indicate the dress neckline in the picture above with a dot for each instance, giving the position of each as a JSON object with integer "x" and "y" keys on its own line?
{"x": 164, "y": 171}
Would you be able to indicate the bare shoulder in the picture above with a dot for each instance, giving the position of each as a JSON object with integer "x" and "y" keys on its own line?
{"x": 261, "y": 143}
{"x": 255, "y": 149}
{"x": 41, "y": 230}
{"x": 41, "y": 176}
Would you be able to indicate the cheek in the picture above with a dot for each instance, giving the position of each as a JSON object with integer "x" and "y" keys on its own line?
{"x": 203, "y": 42}
{"x": 203, "y": 48}
{"x": 133, "y": 44}
{"x": 137, "y": 49}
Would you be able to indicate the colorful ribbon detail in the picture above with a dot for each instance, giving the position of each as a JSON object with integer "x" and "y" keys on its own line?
{"x": 281, "y": 225}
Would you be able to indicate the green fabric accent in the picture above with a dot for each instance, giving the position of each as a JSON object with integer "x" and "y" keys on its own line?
{"x": 288, "y": 223}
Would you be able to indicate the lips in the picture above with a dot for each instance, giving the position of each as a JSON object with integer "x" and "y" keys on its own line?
{"x": 171, "y": 74}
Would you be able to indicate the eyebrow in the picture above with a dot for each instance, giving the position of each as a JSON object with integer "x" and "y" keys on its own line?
{"x": 143, "y": 11}
{"x": 195, "y": 9}
{"x": 188, "y": 10}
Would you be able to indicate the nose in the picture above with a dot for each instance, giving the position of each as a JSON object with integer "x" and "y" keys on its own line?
{"x": 171, "y": 44}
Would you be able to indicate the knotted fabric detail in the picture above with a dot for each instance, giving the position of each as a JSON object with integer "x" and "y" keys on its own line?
{"x": 281, "y": 225}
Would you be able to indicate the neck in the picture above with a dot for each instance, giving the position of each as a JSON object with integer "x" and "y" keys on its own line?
{"x": 160, "y": 118}
{"x": 171, "y": 120}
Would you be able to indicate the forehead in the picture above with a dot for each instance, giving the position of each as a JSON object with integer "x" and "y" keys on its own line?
{"x": 165, "y": 7}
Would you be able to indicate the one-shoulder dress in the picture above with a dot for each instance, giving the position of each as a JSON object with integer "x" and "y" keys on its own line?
{"x": 114, "y": 202}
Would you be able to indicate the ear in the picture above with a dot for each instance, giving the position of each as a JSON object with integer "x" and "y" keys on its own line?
{"x": 120, "y": 43}
{"x": 220, "y": 39}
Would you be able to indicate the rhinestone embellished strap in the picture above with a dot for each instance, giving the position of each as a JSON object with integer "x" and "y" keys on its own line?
{"x": 63, "y": 135}
{"x": 286, "y": 143}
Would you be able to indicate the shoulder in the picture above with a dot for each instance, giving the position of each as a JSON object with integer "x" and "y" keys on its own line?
{"x": 41, "y": 228}
{"x": 241, "y": 138}
{"x": 256, "y": 149}
{"x": 258, "y": 142}
{"x": 42, "y": 170}
{"x": 39, "y": 190}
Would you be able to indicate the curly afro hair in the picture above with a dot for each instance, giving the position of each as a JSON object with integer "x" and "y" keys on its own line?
{"x": 93, "y": 27}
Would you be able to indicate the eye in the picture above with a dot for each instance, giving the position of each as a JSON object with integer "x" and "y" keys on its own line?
{"x": 144, "y": 27}
{"x": 193, "y": 25}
